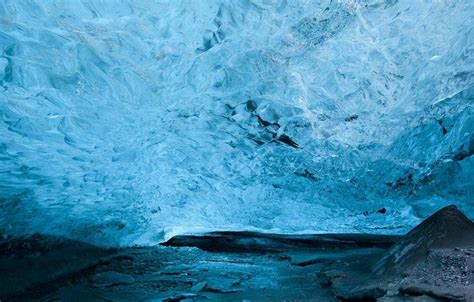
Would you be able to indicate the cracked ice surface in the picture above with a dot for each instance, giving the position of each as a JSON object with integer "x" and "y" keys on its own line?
{"x": 129, "y": 121}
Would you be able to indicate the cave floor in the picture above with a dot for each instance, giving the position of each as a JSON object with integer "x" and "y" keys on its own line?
{"x": 175, "y": 274}
{"x": 190, "y": 274}
{"x": 242, "y": 266}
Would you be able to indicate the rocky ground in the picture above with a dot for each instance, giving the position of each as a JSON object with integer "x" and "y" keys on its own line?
{"x": 435, "y": 261}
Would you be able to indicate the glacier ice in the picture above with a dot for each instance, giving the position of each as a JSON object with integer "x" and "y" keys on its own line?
{"x": 126, "y": 121}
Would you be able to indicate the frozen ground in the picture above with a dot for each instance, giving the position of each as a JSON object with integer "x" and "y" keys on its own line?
{"x": 433, "y": 262}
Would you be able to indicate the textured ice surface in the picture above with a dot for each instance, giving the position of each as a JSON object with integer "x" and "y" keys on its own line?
{"x": 128, "y": 121}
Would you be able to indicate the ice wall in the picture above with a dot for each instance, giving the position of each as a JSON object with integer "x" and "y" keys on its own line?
{"x": 125, "y": 122}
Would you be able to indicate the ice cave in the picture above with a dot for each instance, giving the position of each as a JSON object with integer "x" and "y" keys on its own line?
{"x": 236, "y": 150}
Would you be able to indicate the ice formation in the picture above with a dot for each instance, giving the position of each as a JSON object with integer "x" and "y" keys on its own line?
{"x": 126, "y": 122}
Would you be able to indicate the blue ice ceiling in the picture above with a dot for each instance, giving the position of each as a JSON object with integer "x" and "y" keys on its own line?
{"x": 126, "y": 122}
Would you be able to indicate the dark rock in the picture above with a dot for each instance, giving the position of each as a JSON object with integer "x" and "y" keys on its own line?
{"x": 412, "y": 291}
{"x": 447, "y": 228}
{"x": 365, "y": 294}
{"x": 437, "y": 293}
{"x": 382, "y": 211}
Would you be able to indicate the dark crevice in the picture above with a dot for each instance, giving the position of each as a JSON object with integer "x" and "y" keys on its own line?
{"x": 352, "y": 118}
{"x": 443, "y": 128}
{"x": 307, "y": 174}
{"x": 287, "y": 140}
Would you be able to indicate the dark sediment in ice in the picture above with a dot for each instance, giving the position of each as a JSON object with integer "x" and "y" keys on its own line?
{"x": 261, "y": 242}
